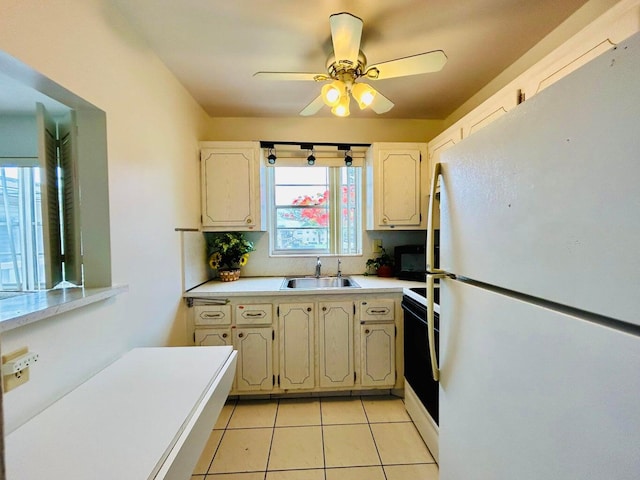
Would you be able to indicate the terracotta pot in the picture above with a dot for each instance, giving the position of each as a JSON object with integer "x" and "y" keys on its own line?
{"x": 385, "y": 271}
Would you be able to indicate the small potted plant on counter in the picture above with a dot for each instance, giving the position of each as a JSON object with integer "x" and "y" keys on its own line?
{"x": 227, "y": 253}
{"x": 382, "y": 265}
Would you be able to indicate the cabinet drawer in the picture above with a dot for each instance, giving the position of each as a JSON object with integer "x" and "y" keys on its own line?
{"x": 377, "y": 310}
{"x": 212, "y": 315}
{"x": 255, "y": 314}
{"x": 212, "y": 337}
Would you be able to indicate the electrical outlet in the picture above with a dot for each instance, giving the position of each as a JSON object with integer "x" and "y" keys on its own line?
{"x": 377, "y": 245}
{"x": 13, "y": 380}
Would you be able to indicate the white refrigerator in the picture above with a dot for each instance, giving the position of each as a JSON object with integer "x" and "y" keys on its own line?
{"x": 539, "y": 359}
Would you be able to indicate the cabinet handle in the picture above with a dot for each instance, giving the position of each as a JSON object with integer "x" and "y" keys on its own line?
{"x": 258, "y": 314}
{"x": 378, "y": 312}
{"x": 240, "y": 335}
{"x": 212, "y": 315}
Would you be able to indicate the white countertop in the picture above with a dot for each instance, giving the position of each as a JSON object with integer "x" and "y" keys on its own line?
{"x": 263, "y": 286}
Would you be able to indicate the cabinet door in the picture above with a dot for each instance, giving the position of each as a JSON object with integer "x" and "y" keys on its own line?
{"x": 377, "y": 354}
{"x": 395, "y": 188}
{"x": 231, "y": 188}
{"x": 255, "y": 356}
{"x": 212, "y": 337}
{"x": 336, "y": 344}
{"x": 297, "y": 356}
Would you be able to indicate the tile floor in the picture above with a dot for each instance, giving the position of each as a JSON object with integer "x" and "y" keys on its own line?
{"x": 335, "y": 438}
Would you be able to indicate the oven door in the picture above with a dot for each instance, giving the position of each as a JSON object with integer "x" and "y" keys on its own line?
{"x": 417, "y": 364}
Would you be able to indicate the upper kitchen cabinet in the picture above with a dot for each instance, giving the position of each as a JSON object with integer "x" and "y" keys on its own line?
{"x": 232, "y": 186}
{"x": 397, "y": 186}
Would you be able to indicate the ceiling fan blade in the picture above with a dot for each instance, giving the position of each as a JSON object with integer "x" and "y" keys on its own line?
{"x": 381, "y": 104}
{"x": 313, "y": 108}
{"x": 346, "y": 32}
{"x": 401, "y": 67}
{"x": 291, "y": 76}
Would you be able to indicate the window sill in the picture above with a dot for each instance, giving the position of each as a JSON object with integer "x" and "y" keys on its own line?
{"x": 31, "y": 307}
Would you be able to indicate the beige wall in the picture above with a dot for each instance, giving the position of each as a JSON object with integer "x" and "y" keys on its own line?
{"x": 306, "y": 129}
{"x": 153, "y": 126}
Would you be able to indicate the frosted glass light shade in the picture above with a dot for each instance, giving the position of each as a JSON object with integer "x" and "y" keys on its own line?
{"x": 332, "y": 92}
{"x": 363, "y": 94}
{"x": 342, "y": 108}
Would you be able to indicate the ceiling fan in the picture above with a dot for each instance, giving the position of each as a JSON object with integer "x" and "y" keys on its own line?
{"x": 348, "y": 64}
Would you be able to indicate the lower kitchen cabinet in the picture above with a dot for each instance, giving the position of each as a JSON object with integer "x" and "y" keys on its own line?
{"x": 255, "y": 358}
{"x": 335, "y": 339}
{"x": 377, "y": 354}
{"x": 296, "y": 351}
{"x": 315, "y": 343}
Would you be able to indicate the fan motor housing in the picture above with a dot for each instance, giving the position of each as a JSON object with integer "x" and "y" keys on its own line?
{"x": 339, "y": 69}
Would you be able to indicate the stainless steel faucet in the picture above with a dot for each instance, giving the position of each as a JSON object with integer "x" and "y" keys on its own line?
{"x": 339, "y": 274}
{"x": 318, "y": 268}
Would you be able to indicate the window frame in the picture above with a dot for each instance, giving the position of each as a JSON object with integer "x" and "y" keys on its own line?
{"x": 335, "y": 225}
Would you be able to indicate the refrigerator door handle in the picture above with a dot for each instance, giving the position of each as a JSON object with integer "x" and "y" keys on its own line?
{"x": 432, "y": 273}
{"x": 431, "y": 329}
{"x": 437, "y": 171}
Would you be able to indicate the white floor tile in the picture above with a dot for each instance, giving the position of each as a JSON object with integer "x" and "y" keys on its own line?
{"x": 296, "y": 448}
{"x": 342, "y": 410}
{"x": 349, "y": 446}
{"x": 245, "y": 450}
{"x": 298, "y": 412}
{"x": 400, "y": 443}
{"x": 254, "y": 413}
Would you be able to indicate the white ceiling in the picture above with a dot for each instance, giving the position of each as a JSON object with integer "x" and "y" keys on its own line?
{"x": 215, "y": 46}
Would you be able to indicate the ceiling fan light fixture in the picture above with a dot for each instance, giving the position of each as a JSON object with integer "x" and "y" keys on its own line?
{"x": 333, "y": 92}
{"x": 363, "y": 94}
{"x": 342, "y": 108}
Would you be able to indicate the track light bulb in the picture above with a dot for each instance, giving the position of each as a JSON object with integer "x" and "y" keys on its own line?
{"x": 311, "y": 160}
{"x": 363, "y": 94}
{"x": 332, "y": 92}
{"x": 271, "y": 159}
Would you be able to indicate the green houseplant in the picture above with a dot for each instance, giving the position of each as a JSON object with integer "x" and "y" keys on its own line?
{"x": 227, "y": 252}
{"x": 382, "y": 265}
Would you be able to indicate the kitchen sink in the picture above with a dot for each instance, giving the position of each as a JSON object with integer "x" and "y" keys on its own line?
{"x": 317, "y": 283}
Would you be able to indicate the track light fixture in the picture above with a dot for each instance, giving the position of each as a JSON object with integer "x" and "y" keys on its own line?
{"x": 271, "y": 158}
{"x": 348, "y": 159}
{"x": 311, "y": 160}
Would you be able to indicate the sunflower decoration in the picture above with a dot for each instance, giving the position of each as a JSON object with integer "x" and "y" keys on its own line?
{"x": 228, "y": 251}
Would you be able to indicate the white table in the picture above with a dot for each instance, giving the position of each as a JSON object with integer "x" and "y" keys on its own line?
{"x": 146, "y": 416}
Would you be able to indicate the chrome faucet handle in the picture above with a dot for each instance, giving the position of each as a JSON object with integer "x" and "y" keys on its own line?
{"x": 339, "y": 270}
{"x": 318, "y": 267}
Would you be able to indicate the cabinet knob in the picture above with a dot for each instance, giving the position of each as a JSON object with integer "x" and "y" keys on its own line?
{"x": 240, "y": 335}
{"x": 248, "y": 220}
{"x": 385, "y": 220}
{"x": 308, "y": 309}
{"x": 367, "y": 331}
{"x": 324, "y": 309}
{"x": 224, "y": 335}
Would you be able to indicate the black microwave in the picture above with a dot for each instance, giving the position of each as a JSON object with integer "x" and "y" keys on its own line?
{"x": 410, "y": 262}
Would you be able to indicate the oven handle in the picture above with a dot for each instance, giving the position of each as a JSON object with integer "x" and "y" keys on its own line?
{"x": 432, "y": 273}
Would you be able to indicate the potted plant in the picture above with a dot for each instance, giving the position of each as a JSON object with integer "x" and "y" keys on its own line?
{"x": 227, "y": 252}
{"x": 382, "y": 264}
